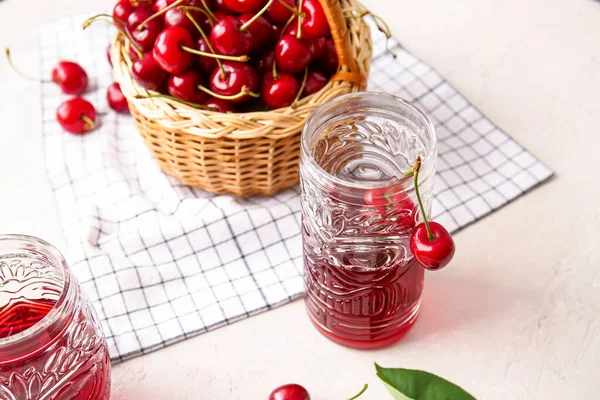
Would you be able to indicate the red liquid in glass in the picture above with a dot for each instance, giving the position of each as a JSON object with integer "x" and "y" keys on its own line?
{"x": 363, "y": 289}
{"x": 23, "y": 314}
{"x": 68, "y": 361}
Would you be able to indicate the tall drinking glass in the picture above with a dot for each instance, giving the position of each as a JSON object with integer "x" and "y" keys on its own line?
{"x": 362, "y": 285}
{"x": 51, "y": 343}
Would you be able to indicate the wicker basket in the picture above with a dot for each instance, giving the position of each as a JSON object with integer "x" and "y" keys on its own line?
{"x": 244, "y": 153}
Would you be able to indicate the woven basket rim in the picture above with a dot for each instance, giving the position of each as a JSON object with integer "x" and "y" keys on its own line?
{"x": 227, "y": 125}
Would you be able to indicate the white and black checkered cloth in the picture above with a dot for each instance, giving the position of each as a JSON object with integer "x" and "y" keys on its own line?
{"x": 162, "y": 262}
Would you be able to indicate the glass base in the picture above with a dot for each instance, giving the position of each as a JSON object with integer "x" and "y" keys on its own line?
{"x": 395, "y": 336}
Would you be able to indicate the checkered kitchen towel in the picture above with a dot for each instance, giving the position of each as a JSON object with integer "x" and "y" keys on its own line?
{"x": 162, "y": 262}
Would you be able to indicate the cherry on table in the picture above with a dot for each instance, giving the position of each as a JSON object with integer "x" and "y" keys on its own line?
{"x": 148, "y": 74}
{"x": 219, "y": 105}
{"x": 76, "y": 115}
{"x": 145, "y": 37}
{"x": 208, "y": 64}
{"x": 185, "y": 86}
{"x": 292, "y": 54}
{"x": 315, "y": 81}
{"x": 279, "y": 91}
{"x": 116, "y": 100}
{"x": 237, "y": 77}
{"x": 228, "y": 39}
{"x": 69, "y": 76}
{"x": 244, "y": 6}
{"x": 315, "y": 23}
{"x": 291, "y": 391}
{"x": 280, "y": 14}
{"x": 431, "y": 244}
{"x": 168, "y": 51}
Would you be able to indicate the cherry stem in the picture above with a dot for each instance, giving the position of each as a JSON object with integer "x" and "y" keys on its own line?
{"x": 99, "y": 17}
{"x": 300, "y": 18}
{"x": 158, "y": 14}
{"x": 275, "y": 75}
{"x": 257, "y": 15}
{"x": 31, "y": 78}
{"x": 173, "y": 98}
{"x": 90, "y": 124}
{"x": 301, "y": 88}
{"x": 356, "y": 396}
{"x": 219, "y": 56}
{"x": 201, "y": 10}
{"x": 292, "y": 9}
{"x": 380, "y": 22}
{"x": 244, "y": 92}
{"x": 208, "y": 10}
{"x": 416, "y": 169}
{"x": 212, "y": 50}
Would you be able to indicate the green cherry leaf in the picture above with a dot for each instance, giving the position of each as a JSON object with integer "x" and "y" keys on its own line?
{"x": 410, "y": 384}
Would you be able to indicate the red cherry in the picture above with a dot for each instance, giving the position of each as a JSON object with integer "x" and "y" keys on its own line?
{"x": 244, "y": 6}
{"x": 278, "y": 13}
{"x": 144, "y": 38}
{"x": 115, "y": 98}
{"x": 76, "y": 115}
{"x": 148, "y": 74}
{"x": 227, "y": 38}
{"x": 237, "y": 76}
{"x": 71, "y": 78}
{"x": 292, "y": 54}
{"x": 290, "y": 391}
{"x": 121, "y": 12}
{"x": 208, "y": 64}
{"x": 318, "y": 43}
{"x": 185, "y": 86}
{"x": 315, "y": 23}
{"x": 174, "y": 17}
{"x": 432, "y": 254}
{"x": 222, "y": 8}
{"x": 377, "y": 197}
{"x": 280, "y": 91}
{"x": 168, "y": 51}
{"x": 315, "y": 81}
{"x": 328, "y": 62}
{"x": 265, "y": 62}
{"x": 161, "y": 4}
{"x": 220, "y": 105}
{"x": 260, "y": 29}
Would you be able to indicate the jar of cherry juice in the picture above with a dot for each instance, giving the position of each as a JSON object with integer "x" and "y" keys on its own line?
{"x": 51, "y": 343}
{"x": 362, "y": 285}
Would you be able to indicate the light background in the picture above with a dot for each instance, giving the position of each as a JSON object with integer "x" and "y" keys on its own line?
{"x": 517, "y": 314}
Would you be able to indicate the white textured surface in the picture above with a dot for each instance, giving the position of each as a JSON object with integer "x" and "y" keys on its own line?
{"x": 517, "y": 316}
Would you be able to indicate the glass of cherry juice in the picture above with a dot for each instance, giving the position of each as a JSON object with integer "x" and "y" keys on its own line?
{"x": 362, "y": 285}
{"x": 51, "y": 343}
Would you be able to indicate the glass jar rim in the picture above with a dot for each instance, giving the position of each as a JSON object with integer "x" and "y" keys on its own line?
{"x": 384, "y": 98}
{"x": 53, "y": 316}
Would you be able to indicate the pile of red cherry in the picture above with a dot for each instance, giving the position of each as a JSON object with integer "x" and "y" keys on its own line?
{"x": 228, "y": 55}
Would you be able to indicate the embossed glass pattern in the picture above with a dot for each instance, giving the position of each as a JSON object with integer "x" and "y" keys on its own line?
{"x": 51, "y": 343}
{"x": 362, "y": 286}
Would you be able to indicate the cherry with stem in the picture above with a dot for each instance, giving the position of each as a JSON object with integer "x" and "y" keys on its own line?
{"x": 430, "y": 243}
{"x": 69, "y": 76}
{"x": 76, "y": 115}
